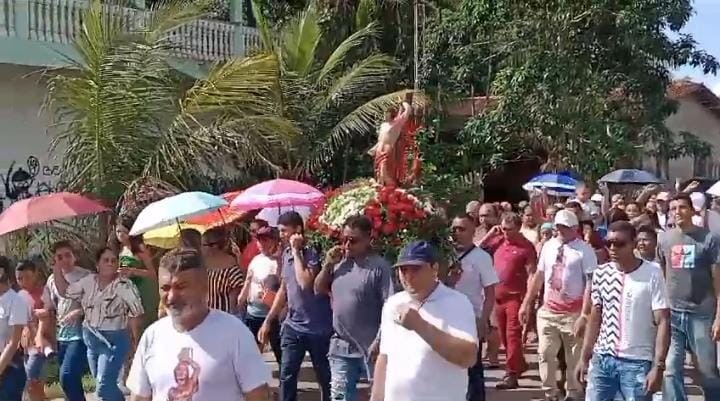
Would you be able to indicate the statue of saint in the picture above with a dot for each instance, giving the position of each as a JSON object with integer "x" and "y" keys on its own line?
{"x": 396, "y": 138}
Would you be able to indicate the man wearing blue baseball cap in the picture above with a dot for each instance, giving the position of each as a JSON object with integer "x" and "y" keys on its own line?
{"x": 428, "y": 334}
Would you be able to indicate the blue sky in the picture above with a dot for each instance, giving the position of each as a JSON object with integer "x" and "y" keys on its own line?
{"x": 705, "y": 28}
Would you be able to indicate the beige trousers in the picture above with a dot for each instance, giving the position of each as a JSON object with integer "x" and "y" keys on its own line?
{"x": 556, "y": 330}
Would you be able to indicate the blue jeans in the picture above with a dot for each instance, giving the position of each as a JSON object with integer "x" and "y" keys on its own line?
{"x": 12, "y": 380}
{"x": 609, "y": 375}
{"x": 345, "y": 374}
{"x": 294, "y": 345}
{"x": 106, "y": 361}
{"x": 476, "y": 380}
{"x": 691, "y": 332}
{"x": 72, "y": 357}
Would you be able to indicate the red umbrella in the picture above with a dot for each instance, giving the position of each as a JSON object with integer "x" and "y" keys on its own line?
{"x": 222, "y": 216}
{"x": 41, "y": 209}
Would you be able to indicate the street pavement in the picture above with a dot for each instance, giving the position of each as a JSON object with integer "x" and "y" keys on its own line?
{"x": 529, "y": 384}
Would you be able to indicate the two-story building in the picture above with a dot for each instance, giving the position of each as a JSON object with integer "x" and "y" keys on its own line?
{"x": 37, "y": 36}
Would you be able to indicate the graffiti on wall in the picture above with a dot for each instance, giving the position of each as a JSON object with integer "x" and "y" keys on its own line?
{"x": 24, "y": 180}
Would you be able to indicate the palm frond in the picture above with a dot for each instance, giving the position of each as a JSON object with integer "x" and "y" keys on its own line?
{"x": 367, "y": 75}
{"x": 300, "y": 38}
{"x": 230, "y": 114}
{"x": 340, "y": 55}
{"x": 263, "y": 26}
{"x": 365, "y": 13}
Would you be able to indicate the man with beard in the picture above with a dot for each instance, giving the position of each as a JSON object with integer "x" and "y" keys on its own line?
{"x": 195, "y": 353}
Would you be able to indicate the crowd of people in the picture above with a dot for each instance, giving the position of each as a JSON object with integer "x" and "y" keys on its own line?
{"x": 615, "y": 292}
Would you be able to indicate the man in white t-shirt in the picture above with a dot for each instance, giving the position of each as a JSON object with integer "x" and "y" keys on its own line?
{"x": 14, "y": 316}
{"x": 476, "y": 278}
{"x": 195, "y": 353}
{"x": 630, "y": 316}
{"x": 564, "y": 268}
{"x": 428, "y": 335}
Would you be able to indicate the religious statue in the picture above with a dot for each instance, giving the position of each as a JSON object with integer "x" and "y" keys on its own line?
{"x": 396, "y": 142}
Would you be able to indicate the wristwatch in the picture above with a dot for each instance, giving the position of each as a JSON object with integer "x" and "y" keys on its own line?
{"x": 660, "y": 365}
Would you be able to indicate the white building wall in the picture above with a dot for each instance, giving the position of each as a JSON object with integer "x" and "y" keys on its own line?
{"x": 696, "y": 119}
{"x": 26, "y": 167}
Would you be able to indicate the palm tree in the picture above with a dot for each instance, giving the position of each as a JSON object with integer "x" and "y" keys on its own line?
{"x": 126, "y": 112}
{"x": 332, "y": 94}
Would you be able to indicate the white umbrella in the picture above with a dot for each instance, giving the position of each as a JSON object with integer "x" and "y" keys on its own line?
{"x": 714, "y": 190}
{"x": 271, "y": 214}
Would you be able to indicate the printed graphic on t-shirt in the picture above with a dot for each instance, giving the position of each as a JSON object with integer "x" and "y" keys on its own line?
{"x": 560, "y": 297}
{"x": 682, "y": 257}
{"x": 187, "y": 377}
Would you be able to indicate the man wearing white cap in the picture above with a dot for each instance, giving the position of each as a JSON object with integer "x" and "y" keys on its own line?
{"x": 569, "y": 263}
{"x": 663, "y": 206}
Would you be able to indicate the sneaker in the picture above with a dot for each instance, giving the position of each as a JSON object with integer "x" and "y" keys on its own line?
{"x": 508, "y": 383}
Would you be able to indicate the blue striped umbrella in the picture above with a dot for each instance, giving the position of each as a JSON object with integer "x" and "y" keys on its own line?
{"x": 556, "y": 184}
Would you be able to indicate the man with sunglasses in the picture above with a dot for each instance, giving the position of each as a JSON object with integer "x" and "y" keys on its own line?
{"x": 564, "y": 268}
{"x": 690, "y": 257}
{"x": 360, "y": 281}
{"x": 428, "y": 334}
{"x": 628, "y": 332}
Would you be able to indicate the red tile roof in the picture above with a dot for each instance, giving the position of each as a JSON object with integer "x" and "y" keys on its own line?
{"x": 687, "y": 89}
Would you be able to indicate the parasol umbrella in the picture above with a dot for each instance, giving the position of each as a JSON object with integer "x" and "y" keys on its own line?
{"x": 220, "y": 217}
{"x": 630, "y": 176}
{"x": 277, "y": 193}
{"x": 45, "y": 208}
{"x": 174, "y": 209}
{"x": 555, "y": 184}
{"x": 271, "y": 214}
{"x": 714, "y": 190}
{"x": 168, "y": 237}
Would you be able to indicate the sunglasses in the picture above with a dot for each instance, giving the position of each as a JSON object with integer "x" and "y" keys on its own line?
{"x": 616, "y": 244}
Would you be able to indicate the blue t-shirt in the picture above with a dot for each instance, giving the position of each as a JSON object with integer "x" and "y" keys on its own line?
{"x": 359, "y": 292}
{"x": 307, "y": 313}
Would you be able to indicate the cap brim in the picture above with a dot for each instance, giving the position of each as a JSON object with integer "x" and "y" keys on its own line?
{"x": 413, "y": 262}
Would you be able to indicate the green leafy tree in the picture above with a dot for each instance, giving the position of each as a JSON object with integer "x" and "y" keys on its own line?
{"x": 585, "y": 81}
{"x": 126, "y": 112}
{"x": 333, "y": 95}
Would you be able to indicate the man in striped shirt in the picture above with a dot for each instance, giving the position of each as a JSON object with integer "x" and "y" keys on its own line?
{"x": 629, "y": 325}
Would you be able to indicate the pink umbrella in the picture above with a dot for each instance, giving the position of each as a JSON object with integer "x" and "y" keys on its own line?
{"x": 277, "y": 193}
{"x": 41, "y": 209}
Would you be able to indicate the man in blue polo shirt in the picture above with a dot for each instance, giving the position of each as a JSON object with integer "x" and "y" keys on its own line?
{"x": 308, "y": 325}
